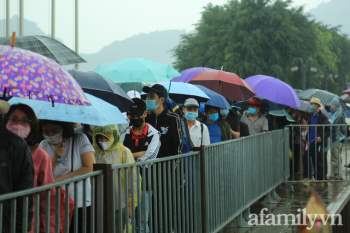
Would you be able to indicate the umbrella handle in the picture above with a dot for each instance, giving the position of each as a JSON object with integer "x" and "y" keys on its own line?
{"x": 13, "y": 39}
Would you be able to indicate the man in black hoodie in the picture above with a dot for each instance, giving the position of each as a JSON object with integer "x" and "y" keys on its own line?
{"x": 16, "y": 173}
{"x": 166, "y": 122}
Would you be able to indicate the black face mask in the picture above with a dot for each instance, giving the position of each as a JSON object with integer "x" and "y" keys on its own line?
{"x": 136, "y": 122}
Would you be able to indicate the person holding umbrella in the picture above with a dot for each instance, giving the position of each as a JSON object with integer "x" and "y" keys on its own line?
{"x": 16, "y": 173}
{"x": 317, "y": 142}
{"x": 21, "y": 120}
{"x": 72, "y": 155}
{"x": 253, "y": 117}
{"x": 218, "y": 130}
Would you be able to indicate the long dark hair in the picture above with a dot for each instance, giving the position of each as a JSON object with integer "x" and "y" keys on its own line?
{"x": 34, "y": 137}
{"x": 68, "y": 128}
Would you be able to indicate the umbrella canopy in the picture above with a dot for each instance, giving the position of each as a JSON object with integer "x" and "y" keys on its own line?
{"x": 215, "y": 99}
{"x": 99, "y": 113}
{"x": 137, "y": 70}
{"x": 188, "y": 74}
{"x": 282, "y": 92}
{"x": 27, "y": 74}
{"x": 347, "y": 91}
{"x": 179, "y": 91}
{"x": 325, "y": 96}
{"x": 47, "y": 47}
{"x": 227, "y": 84}
{"x": 96, "y": 85}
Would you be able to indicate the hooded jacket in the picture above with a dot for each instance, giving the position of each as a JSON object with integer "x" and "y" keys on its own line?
{"x": 117, "y": 154}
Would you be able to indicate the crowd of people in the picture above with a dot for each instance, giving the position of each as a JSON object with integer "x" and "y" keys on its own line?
{"x": 35, "y": 153}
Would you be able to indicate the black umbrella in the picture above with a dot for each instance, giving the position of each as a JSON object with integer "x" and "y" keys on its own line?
{"x": 96, "y": 85}
{"x": 47, "y": 47}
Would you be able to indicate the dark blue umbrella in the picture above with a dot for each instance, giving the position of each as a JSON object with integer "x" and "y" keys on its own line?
{"x": 96, "y": 85}
{"x": 216, "y": 100}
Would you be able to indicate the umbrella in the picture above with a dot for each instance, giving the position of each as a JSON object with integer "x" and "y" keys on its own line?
{"x": 27, "y": 74}
{"x": 179, "y": 91}
{"x": 132, "y": 86}
{"x": 47, "y": 47}
{"x": 137, "y": 70}
{"x": 274, "y": 90}
{"x": 99, "y": 113}
{"x": 215, "y": 99}
{"x": 188, "y": 74}
{"x": 347, "y": 91}
{"x": 96, "y": 85}
{"x": 325, "y": 96}
{"x": 227, "y": 84}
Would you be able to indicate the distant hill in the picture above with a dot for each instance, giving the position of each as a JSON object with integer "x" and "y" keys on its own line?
{"x": 30, "y": 27}
{"x": 334, "y": 13}
{"x": 156, "y": 46}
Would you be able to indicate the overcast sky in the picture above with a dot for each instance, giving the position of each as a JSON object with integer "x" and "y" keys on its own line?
{"x": 104, "y": 21}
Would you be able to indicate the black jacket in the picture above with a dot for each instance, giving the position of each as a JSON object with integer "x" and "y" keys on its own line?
{"x": 168, "y": 125}
{"x": 16, "y": 173}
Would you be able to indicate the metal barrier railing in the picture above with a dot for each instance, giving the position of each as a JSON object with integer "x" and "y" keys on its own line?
{"x": 49, "y": 208}
{"x": 240, "y": 172}
{"x": 192, "y": 193}
{"x": 318, "y": 152}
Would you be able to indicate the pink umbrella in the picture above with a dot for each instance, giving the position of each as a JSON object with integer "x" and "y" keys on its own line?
{"x": 29, "y": 75}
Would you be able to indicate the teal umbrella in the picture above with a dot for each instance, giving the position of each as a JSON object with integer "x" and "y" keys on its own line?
{"x": 137, "y": 70}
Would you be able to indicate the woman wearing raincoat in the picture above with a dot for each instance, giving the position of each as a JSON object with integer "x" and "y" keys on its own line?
{"x": 109, "y": 149}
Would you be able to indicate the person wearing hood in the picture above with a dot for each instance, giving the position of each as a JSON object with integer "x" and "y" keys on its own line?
{"x": 253, "y": 117}
{"x": 337, "y": 137}
{"x": 109, "y": 150}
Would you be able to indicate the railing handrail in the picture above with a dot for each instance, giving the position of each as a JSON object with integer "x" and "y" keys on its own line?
{"x": 47, "y": 187}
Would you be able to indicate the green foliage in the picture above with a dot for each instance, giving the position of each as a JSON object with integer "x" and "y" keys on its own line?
{"x": 267, "y": 37}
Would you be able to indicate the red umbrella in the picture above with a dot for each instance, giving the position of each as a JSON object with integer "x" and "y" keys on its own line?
{"x": 227, "y": 84}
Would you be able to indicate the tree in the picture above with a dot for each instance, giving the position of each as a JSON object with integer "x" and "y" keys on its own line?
{"x": 263, "y": 37}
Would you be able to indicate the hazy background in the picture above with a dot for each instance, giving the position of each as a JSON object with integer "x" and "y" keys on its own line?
{"x": 114, "y": 29}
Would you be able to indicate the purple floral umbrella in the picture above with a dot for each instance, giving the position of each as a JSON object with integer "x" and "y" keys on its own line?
{"x": 188, "y": 74}
{"x": 29, "y": 75}
{"x": 274, "y": 90}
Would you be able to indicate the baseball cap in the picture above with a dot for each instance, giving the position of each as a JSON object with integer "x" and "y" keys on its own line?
{"x": 190, "y": 102}
{"x": 137, "y": 108}
{"x": 156, "y": 88}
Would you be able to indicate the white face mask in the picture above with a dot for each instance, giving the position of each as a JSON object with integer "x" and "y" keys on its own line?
{"x": 105, "y": 145}
{"x": 54, "y": 139}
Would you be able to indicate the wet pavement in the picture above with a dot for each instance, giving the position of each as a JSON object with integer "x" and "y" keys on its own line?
{"x": 293, "y": 197}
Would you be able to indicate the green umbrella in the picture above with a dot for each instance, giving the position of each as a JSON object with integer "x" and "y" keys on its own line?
{"x": 137, "y": 70}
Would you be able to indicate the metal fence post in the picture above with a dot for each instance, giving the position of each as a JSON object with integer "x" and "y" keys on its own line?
{"x": 107, "y": 195}
{"x": 203, "y": 192}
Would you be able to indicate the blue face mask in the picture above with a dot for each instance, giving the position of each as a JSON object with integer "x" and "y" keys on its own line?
{"x": 224, "y": 112}
{"x": 191, "y": 116}
{"x": 151, "y": 105}
{"x": 251, "y": 111}
{"x": 213, "y": 117}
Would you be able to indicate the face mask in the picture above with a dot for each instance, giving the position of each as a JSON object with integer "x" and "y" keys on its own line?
{"x": 213, "y": 116}
{"x": 18, "y": 129}
{"x": 136, "y": 122}
{"x": 224, "y": 112}
{"x": 251, "y": 111}
{"x": 55, "y": 139}
{"x": 105, "y": 145}
{"x": 151, "y": 105}
{"x": 191, "y": 116}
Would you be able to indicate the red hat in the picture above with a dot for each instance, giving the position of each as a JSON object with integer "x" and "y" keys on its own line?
{"x": 254, "y": 102}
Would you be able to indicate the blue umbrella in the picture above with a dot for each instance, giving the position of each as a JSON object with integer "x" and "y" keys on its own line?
{"x": 215, "y": 99}
{"x": 179, "y": 91}
{"x": 99, "y": 113}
